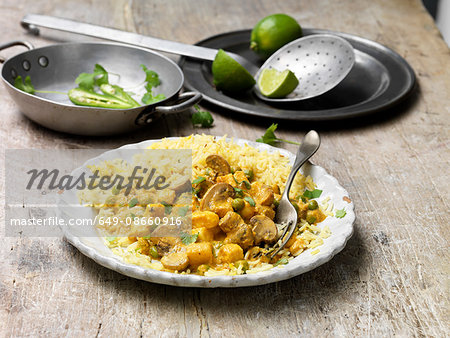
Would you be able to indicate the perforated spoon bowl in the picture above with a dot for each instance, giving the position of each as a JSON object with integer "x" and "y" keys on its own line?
{"x": 320, "y": 62}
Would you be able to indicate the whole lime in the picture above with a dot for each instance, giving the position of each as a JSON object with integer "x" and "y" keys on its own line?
{"x": 273, "y": 32}
{"x": 229, "y": 75}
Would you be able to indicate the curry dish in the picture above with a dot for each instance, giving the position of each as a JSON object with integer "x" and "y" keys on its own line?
{"x": 233, "y": 210}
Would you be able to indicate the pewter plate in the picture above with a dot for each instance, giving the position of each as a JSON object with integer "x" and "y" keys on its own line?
{"x": 379, "y": 79}
{"x": 341, "y": 230}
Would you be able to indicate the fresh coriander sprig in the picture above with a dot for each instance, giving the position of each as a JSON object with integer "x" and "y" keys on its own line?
{"x": 188, "y": 239}
{"x": 270, "y": 138}
{"x": 152, "y": 80}
{"x": 151, "y": 77}
{"x": 198, "y": 180}
{"x": 312, "y": 193}
{"x": 340, "y": 213}
{"x": 26, "y": 86}
{"x": 202, "y": 118}
{"x": 87, "y": 81}
{"x": 250, "y": 200}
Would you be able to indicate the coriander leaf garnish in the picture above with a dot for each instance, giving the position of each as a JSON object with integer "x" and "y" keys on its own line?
{"x": 312, "y": 194}
{"x": 152, "y": 80}
{"x": 270, "y": 138}
{"x": 151, "y": 77}
{"x": 102, "y": 77}
{"x": 238, "y": 192}
{"x": 188, "y": 239}
{"x": 340, "y": 213}
{"x": 150, "y": 98}
{"x": 133, "y": 202}
{"x": 182, "y": 211}
{"x": 25, "y": 85}
{"x": 167, "y": 207}
{"x": 202, "y": 118}
{"x": 246, "y": 183}
{"x": 87, "y": 81}
{"x": 250, "y": 200}
{"x": 198, "y": 180}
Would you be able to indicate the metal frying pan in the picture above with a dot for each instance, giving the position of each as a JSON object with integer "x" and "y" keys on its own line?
{"x": 55, "y": 68}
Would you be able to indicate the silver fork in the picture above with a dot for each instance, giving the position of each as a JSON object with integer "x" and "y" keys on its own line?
{"x": 286, "y": 213}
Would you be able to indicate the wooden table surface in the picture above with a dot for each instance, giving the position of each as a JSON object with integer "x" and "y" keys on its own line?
{"x": 391, "y": 279}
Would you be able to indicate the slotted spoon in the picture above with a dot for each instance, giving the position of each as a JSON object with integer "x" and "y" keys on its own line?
{"x": 319, "y": 61}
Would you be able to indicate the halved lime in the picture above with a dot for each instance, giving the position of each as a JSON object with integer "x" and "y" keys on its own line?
{"x": 275, "y": 84}
{"x": 229, "y": 75}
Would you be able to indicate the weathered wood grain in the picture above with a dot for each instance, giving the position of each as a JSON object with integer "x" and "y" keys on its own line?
{"x": 392, "y": 279}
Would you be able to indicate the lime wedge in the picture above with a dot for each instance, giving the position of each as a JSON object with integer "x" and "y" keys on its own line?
{"x": 229, "y": 75}
{"x": 275, "y": 84}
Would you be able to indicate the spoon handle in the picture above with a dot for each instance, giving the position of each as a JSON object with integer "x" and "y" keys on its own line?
{"x": 32, "y": 21}
{"x": 308, "y": 147}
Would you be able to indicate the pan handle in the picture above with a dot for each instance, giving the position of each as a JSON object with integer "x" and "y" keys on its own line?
{"x": 187, "y": 100}
{"x": 15, "y": 43}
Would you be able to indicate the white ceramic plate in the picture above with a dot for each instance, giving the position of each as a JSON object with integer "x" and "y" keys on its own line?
{"x": 341, "y": 230}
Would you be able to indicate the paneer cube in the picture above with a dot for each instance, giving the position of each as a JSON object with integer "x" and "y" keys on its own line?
{"x": 230, "y": 253}
{"x": 204, "y": 219}
{"x": 166, "y": 195}
{"x": 199, "y": 253}
{"x": 227, "y": 179}
{"x": 262, "y": 193}
{"x": 204, "y": 235}
{"x": 247, "y": 211}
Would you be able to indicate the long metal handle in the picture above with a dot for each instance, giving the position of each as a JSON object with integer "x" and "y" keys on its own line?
{"x": 32, "y": 21}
